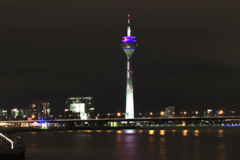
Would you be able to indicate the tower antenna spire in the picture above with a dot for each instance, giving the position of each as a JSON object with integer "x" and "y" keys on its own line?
{"x": 128, "y": 27}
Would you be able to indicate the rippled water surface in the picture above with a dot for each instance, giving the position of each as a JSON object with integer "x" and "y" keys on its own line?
{"x": 169, "y": 143}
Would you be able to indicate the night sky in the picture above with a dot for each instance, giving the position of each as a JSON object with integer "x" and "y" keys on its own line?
{"x": 188, "y": 53}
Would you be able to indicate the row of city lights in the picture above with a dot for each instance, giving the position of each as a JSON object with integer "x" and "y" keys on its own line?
{"x": 152, "y": 113}
{"x": 184, "y": 112}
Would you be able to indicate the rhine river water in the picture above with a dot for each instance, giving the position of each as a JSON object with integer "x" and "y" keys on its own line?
{"x": 202, "y": 143}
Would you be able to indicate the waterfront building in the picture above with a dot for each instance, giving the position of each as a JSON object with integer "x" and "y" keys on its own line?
{"x": 5, "y": 112}
{"x": 129, "y": 44}
{"x": 170, "y": 111}
{"x": 19, "y": 112}
{"x": 81, "y": 107}
{"x": 209, "y": 112}
{"x": 40, "y": 110}
{"x": 15, "y": 113}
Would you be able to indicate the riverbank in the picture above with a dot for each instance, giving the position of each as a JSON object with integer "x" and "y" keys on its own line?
{"x": 10, "y": 130}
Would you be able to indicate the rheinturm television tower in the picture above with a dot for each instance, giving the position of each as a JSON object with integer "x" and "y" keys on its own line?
{"x": 129, "y": 44}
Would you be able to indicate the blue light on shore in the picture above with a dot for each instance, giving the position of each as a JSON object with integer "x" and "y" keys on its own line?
{"x": 231, "y": 125}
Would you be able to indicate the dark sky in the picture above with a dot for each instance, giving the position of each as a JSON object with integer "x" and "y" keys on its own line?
{"x": 188, "y": 53}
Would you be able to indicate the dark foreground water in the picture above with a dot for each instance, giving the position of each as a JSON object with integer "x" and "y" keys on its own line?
{"x": 170, "y": 144}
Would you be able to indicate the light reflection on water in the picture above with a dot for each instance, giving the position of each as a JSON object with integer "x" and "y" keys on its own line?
{"x": 162, "y": 148}
{"x": 162, "y": 132}
{"x": 130, "y": 131}
{"x": 151, "y": 132}
{"x": 183, "y": 144}
{"x": 220, "y": 133}
{"x": 173, "y": 132}
{"x": 196, "y": 152}
{"x": 119, "y": 131}
{"x": 185, "y": 132}
{"x": 222, "y": 151}
{"x": 196, "y": 133}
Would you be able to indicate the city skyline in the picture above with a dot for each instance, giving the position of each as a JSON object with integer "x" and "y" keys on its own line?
{"x": 188, "y": 54}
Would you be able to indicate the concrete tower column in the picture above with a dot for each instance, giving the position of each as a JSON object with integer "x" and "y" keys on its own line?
{"x": 129, "y": 44}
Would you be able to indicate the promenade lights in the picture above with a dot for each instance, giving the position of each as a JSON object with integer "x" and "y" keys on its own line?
{"x": 151, "y": 113}
{"x": 118, "y": 114}
{"x": 196, "y": 112}
{"x": 162, "y": 113}
{"x": 185, "y": 112}
{"x": 209, "y": 111}
{"x": 33, "y": 116}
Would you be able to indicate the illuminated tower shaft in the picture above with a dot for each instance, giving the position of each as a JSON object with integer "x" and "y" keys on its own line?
{"x": 129, "y": 44}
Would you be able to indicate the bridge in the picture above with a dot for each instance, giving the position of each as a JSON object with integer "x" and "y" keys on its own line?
{"x": 71, "y": 123}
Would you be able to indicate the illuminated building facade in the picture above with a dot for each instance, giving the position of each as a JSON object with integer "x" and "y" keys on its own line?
{"x": 40, "y": 110}
{"x": 170, "y": 111}
{"x": 23, "y": 113}
{"x": 129, "y": 44}
{"x": 5, "y": 113}
{"x": 14, "y": 114}
{"x": 81, "y": 107}
{"x": 209, "y": 112}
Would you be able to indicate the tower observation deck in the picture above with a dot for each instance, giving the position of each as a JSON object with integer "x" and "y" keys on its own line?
{"x": 129, "y": 44}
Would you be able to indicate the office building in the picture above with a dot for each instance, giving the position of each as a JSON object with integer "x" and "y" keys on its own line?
{"x": 40, "y": 110}
{"x": 170, "y": 111}
{"x": 81, "y": 107}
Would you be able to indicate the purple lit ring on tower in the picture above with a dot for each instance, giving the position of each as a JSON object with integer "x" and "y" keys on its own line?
{"x": 129, "y": 39}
